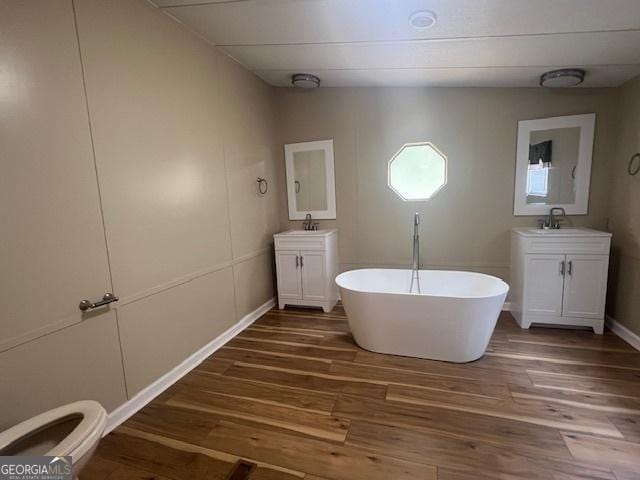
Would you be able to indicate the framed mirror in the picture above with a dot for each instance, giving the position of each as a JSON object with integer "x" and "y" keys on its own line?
{"x": 311, "y": 184}
{"x": 553, "y": 164}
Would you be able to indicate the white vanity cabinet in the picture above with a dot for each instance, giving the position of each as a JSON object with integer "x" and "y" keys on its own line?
{"x": 559, "y": 276}
{"x": 306, "y": 266}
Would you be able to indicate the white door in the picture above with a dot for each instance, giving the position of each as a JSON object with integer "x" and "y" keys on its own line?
{"x": 52, "y": 251}
{"x": 289, "y": 280}
{"x": 585, "y": 286}
{"x": 543, "y": 279}
{"x": 313, "y": 275}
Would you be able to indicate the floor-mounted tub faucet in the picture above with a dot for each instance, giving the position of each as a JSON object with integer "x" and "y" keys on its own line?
{"x": 415, "y": 264}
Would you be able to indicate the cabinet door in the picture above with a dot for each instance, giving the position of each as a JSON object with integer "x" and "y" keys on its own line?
{"x": 585, "y": 286}
{"x": 313, "y": 275}
{"x": 543, "y": 284}
{"x": 289, "y": 280}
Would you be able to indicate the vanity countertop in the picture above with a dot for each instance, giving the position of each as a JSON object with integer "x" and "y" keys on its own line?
{"x": 560, "y": 232}
{"x": 307, "y": 233}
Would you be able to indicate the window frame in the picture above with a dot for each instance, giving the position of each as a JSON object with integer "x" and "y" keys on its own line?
{"x": 418, "y": 144}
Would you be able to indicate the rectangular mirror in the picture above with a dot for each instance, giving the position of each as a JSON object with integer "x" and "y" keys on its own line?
{"x": 310, "y": 180}
{"x": 553, "y": 164}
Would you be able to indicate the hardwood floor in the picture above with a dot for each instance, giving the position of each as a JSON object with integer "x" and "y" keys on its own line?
{"x": 295, "y": 395}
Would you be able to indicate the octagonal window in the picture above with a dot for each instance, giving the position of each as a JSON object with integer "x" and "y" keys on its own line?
{"x": 418, "y": 171}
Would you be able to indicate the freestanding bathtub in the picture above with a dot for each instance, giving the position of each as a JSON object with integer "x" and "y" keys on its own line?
{"x": 452, "y": 319}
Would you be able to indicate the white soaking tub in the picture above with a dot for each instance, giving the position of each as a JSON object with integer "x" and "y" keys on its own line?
{"x": 451, "y": 319}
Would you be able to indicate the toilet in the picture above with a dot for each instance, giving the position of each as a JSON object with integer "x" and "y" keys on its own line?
{"x": 74, "y": 429}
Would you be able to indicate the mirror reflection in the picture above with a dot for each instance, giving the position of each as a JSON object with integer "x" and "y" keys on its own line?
{"x": 553, "y": 163}
{"x": 311, "y": 188}
{"x": 310, "y": 180}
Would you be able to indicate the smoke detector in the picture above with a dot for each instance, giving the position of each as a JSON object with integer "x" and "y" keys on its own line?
{"x": 422, "y": 19}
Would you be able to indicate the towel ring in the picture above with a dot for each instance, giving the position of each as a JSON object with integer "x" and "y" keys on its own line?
{"x": 630, "y": 168}
{"x": 263, "y": 186}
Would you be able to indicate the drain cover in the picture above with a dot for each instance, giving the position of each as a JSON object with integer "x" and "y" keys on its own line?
{"x": 242, "y": 470}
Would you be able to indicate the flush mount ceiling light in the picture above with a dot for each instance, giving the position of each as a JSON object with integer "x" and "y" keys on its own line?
{"x": 565, "y": 77}
{"x": 422, "y": 19}
{"x": 305, "y": 80}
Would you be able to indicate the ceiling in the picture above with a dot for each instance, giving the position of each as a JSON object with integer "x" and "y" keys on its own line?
{"x": 505, "y": 43}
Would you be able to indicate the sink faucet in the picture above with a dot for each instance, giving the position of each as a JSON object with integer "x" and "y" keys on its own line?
{"x": 308, "y": 223}
{"x": 550, "y": 221}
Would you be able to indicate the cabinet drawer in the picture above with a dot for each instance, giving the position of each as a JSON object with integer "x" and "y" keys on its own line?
{"x": 290, "y": 242}
{"x": 575, "y": 245}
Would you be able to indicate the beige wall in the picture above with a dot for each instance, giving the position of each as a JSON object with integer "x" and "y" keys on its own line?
{"x": 624, "y": 211}
{"x": 165, "y": 146}
{"x": 466, "y": 225}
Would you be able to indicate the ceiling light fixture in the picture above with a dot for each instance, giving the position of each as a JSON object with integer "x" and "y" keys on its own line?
{"x": 422, "y": 19}
{"x": 562, "y": 78}
{"x": 305, "y": 80}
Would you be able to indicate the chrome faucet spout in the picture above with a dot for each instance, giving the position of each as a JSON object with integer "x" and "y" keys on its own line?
{"x": 552, "y": 221}
{"x": 308, "y": 222}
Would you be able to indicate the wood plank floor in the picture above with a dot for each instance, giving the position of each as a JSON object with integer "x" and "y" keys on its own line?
{"x": 296, "y": 396}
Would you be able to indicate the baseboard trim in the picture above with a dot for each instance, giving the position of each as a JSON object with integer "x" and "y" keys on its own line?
{"x": 142, "y": 398}
{"x": 623, "y": 332}
{"x": 506, "y": 307}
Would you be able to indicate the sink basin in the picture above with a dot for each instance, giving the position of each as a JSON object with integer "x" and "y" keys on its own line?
{"x": 305, "y": 232}
{"x": 563, "y": 231}
{"x": 556, "y": 231}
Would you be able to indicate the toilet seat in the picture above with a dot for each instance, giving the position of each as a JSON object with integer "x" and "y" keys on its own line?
{"x": 80, "y": 441}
